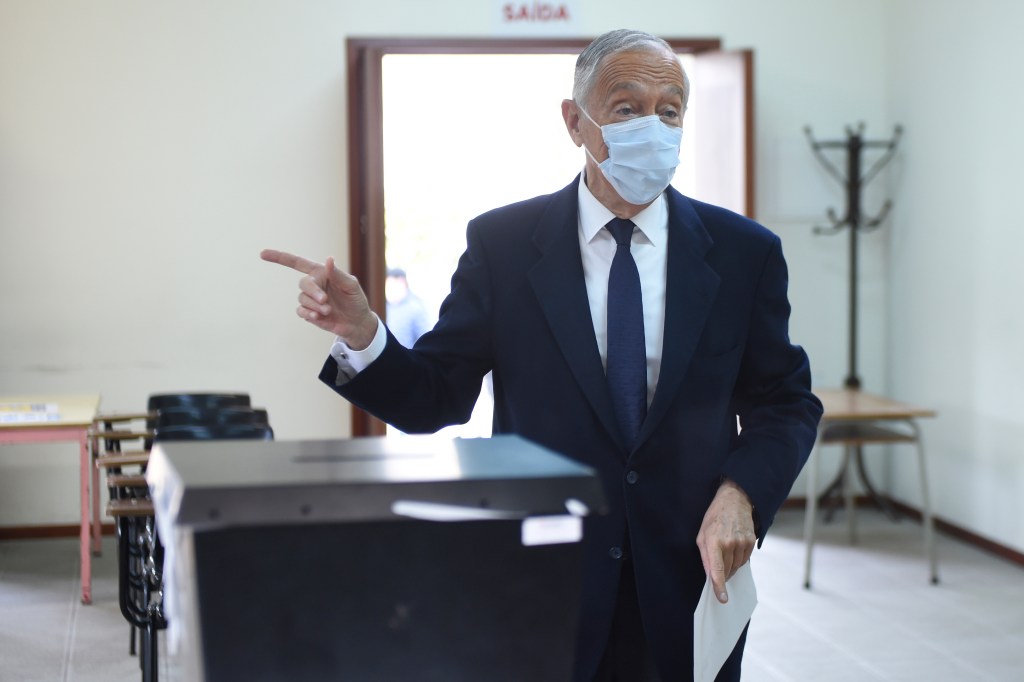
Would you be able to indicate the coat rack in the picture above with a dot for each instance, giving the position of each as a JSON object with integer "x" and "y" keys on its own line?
{"x": 853, "y": 220}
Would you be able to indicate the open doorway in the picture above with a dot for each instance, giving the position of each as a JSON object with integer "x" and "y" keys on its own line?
{"x": 441, "y": 131}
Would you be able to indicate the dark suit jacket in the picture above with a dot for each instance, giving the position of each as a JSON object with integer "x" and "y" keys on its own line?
{"x": 518, "y": 306}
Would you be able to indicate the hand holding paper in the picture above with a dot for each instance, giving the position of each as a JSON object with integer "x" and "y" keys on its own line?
{"x": 726, "y": 538}
{"x": 717, "y": 626}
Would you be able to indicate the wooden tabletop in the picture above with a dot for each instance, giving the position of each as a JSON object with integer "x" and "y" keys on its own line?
{"x": 844, "y": 404}
{"x": 47, "y": 410}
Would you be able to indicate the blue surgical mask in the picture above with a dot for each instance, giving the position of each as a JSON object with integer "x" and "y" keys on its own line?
{"x": 642, "y": 156}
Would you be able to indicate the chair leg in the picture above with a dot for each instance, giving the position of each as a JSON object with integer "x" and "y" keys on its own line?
{"x": 131, "y": 640}
{"x": 154, "y": 658}
{"x": 812, "y": 508}
{"x": 150, "y": 657}
{"x": 144, "y": 656}
{"x": 926, "y": 509}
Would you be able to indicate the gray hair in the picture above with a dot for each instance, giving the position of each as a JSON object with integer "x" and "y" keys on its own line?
{"x": 614, "y": 42}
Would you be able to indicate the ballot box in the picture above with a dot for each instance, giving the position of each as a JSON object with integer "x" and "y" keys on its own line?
{"x": 416, "y": 558}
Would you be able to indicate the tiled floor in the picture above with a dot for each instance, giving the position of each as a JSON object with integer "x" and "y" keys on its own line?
{"x": 872, "y": 614}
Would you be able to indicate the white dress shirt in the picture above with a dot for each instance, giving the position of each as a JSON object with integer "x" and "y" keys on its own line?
{"x": 650, "y": 251}
{"x": 597, "y": 247}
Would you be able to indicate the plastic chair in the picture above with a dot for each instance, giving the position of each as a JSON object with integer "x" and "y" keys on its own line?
{"x": 161, "y": 401}
{"x": 175, "y": 416}
{"x": 140, "y": 552}
{"x": 852, "y": 437}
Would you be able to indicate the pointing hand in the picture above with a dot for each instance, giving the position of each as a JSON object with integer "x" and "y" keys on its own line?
{"x": 330, "y": 298}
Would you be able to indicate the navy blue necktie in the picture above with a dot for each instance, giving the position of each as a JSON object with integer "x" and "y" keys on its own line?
{"x": 627, "y": 352}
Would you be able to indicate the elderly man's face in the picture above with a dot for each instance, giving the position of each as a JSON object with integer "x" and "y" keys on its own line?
{"x": 627, "y": 85}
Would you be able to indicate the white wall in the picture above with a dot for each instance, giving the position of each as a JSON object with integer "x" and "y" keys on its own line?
{"x": 148, "y": 151}
{"x": 955, "y": 315}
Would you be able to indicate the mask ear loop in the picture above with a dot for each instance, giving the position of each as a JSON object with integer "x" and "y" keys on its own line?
{"x": 597, "y": 125}
{"x": 584, "y": 112}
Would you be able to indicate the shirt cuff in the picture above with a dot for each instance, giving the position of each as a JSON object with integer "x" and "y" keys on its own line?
{"x": 352, "y": 362}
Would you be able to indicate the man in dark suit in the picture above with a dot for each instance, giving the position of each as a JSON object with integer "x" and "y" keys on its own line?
{"x": 628, "y": 327}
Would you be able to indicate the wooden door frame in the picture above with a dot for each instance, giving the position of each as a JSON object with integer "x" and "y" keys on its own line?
{"x": 366, "y": 145}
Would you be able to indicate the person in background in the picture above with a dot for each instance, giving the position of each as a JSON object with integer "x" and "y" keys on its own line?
{"x": 406, "y": 313}
{"x": 628, "y": 327}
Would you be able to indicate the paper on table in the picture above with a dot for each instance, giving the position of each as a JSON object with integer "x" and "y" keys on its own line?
{"x": 28, "y": 413}
{"x": 717, "y": 627}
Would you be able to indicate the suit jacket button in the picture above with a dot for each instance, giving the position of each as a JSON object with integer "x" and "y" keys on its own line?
{"x": 632, "y": 477}
{"x": 615, "y": 552}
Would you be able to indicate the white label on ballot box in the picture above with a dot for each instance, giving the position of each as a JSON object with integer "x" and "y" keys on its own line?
{"x": 552, "y": 530}
{"x": 537, "y": 530}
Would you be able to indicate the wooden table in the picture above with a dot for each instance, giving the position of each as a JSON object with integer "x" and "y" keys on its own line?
{"x": 60, "y": 418}
{"x": 854, "y": 418}
{"x": 849, "y": 405}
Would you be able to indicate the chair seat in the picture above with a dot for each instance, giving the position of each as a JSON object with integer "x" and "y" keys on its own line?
{"x": 120, "y": 459}
{"x": 121, "y": 435}
{"x": 130, "y": 507}
{"x": 127, "y": 481}
{"x": 118, "y": 417}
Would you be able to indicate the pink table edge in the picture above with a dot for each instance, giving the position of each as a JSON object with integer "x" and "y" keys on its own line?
{"x": 89, "y": 538}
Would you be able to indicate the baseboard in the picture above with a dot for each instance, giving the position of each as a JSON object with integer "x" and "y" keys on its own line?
{"x": 859, "y": 501}
{"x": 47, "y": 532}
{"x": 941, "y": 525}
{"x": 950, "y": 529}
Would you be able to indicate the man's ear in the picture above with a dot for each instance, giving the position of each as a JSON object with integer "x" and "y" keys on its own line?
{"x": 571, "y": 116}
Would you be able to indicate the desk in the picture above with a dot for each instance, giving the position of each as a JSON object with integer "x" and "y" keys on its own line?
{"x": 60, "y": 418}
{"x": 853, "y": 418}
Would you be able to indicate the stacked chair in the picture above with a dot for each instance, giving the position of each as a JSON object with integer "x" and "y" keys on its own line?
{"x": 168, "y": 417}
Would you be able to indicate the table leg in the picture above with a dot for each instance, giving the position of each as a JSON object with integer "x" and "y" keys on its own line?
{"x": 84, "y": 537}
{"x": 873, "y": 495}
{"x": 833, "y": 495}
{"x": 812, "y": 508}
{"x": 926, "y": 508}
{"x": 829, "y": 499}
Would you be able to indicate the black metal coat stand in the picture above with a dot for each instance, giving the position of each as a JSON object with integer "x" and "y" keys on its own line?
{"x": 854, "y": 221}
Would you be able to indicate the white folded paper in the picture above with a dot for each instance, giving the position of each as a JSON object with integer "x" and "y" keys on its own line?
{"x": 717, "y": 627}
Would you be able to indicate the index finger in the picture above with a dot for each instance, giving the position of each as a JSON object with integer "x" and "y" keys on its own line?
{"x": 714, "y": 568}
{"x": 718, "y": 578}
{"x": 289, "y": 260}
